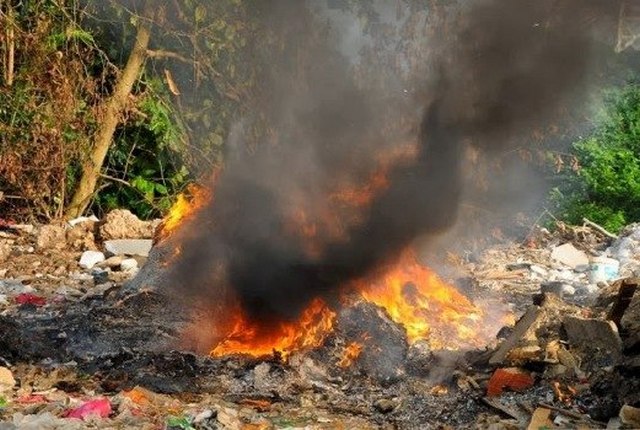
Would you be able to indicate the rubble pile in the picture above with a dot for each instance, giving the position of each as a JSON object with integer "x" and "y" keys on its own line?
{"x": 78, "y": 349}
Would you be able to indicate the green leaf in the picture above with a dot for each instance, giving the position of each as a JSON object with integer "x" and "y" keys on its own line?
{"x": 162, "y": 190}
{"x": 200, "y": 14}
{"x": 179, "y": 423}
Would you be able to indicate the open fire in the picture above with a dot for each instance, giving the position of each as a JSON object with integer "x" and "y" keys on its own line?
{"x": 326, "y": 210}
{"x": 414, "y": 296}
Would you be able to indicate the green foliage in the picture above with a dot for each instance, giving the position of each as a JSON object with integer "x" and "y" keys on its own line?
{"x": 59, "y": 39}
{"x": 606, "y": 187}
{"x": 46, "y": 117}
{"x": 143, "y": 171}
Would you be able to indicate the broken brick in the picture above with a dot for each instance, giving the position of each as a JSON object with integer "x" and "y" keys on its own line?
{"x": 30, "y": 299}
{"x": 508, "y": 378}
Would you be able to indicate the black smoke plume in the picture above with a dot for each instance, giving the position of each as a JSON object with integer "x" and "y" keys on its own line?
{"x": 503, "y": 67}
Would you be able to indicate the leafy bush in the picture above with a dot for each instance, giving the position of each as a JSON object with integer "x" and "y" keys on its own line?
{"x": 46, "y": 112}
{"x": 143, "y": 170}
{"x": 606, "y": 186}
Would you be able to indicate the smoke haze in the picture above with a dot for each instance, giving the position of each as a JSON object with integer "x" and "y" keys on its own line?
{"x": 501, "y": 68}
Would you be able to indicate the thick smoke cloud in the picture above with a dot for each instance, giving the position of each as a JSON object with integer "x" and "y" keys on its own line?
{"x": 503, "y": 68}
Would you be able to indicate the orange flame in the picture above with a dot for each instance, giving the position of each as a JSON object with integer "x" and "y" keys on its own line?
{"x": 350, "y": 354}
{"x": 414, "y": 296}
{"x": 309, "y": 331}
{"x": 185, "y": 206}
{"x": 428, "y": 308}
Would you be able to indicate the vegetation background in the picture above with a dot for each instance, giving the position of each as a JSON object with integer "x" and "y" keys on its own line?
{"x": 125, "y": 103}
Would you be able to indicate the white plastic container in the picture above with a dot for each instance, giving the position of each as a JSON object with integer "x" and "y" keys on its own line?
{"x": 602, "y": 269}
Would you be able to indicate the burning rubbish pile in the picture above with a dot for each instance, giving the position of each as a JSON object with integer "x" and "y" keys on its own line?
{"x": 85, "y": 352}
{"x": 290, "y": 289}
{"x": 334, "y": 204}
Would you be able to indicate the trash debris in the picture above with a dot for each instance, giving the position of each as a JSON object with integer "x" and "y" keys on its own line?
{"x": 626, "y": 289}
{"x": 630, "y": 323}
{"x": 602, "y": 269}
{"x": 522, "y": 326}
{"x": 541, "y": 419}
{"x": 30, "y": 399}
{"x": 535, "y": 374}
{"x": 30, "y": 299}
{"x": 97, "y": 408}
{"x": 558, "y": 288}
{"x": 626, "y": 249}
{"x": 179, "y": 423}
{"x": 203, "y": 416}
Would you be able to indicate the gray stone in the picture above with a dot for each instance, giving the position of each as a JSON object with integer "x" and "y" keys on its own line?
{"x": 588, "y": 289}
{"x": 99, "y": 291}
{"x": 590, "y": 333}
{"x": 385, "y": 405}
{"x": 90, "y": 259}
{"x": 139, "y": 247}
{"x": 100, "y": 276}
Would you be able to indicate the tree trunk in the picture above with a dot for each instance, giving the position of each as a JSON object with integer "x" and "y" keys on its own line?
{"x": 111, "y": 109}
{"x": 10, "y": 47}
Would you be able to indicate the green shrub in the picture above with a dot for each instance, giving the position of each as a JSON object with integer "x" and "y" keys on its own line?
{"x": 143, "y": 169}
{"x": 606, "y": 186}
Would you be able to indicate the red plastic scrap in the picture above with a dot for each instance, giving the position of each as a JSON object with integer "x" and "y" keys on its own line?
{"x": 30, "y": 299}
{"x": 32, "y": 399}
{"x": 511, "y": 378}
{"x": 100, "y": 408}
{"x": 6, "y": 223}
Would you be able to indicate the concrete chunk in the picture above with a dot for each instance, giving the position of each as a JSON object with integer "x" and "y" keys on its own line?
{"x": 139, "y": 247}
{"x": 568, "y": 255}
{"x": 593, "y": 334}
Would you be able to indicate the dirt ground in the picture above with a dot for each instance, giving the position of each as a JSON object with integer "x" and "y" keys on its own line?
{"x": 77, "y": 350}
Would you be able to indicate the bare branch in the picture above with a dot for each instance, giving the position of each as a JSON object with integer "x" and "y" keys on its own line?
{"x": 162, "y": 54}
